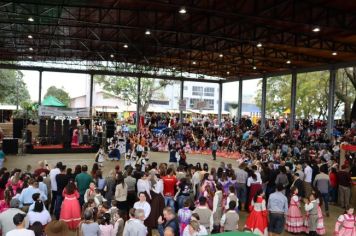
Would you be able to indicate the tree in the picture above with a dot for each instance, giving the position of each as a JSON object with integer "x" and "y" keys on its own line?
{"x": 311, "y": 99}
{"x": 58, "y": 93}
{"x": 126, "y": 88}
{"x": 13, "y": 88}
{"x": 347, "y": 92}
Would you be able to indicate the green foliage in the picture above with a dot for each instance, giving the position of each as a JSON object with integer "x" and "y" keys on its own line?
{"x": 29, "y": 110}
{"x": 13, "y": 88}
{"x": 346, "y": 91}
{"x": 312, "y": 94}
{"x": 58, "y": 93}
{"x": 126, "y": 88}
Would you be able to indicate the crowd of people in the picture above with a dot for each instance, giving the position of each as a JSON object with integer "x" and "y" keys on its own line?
{"x": 284, "y": 181}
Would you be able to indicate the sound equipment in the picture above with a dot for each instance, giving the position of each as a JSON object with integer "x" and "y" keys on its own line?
{"x": 10, "y": 146}
{"x": 17, "y": 127}
{"x": 57, "y": 131}
{"x": 43, "y": 128}
{"x": 65, "y": 130}
{"x": 73, "y": 123}
{"x": 110, "y": 128}
{"x": 50, "y": 128}
{"x": 28, "y": 136}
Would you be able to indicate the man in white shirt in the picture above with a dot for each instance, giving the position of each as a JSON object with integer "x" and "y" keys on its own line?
{"x": 308, "y": 173}
{"x": 52, "y": 175}
{"x": 134, "y": 226}
{"x": 19, "y": 221}
{"x": 143, "y": 204}
{"x": 6, "y": 222}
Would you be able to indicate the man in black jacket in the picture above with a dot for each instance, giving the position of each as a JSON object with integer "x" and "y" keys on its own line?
{"x": 298, "y": 183}
{"x": 171, "y": 221}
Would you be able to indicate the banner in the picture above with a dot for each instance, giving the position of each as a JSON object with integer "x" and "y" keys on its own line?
{"x": 183, "y": 105}
{"x": 64, "y": 112}
{"x": 200, "y": 105}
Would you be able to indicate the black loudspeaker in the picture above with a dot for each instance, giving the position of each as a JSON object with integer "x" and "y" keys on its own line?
{"x": 43, "y": 130}
{"x": 50, "y": 131}
{"x": 65, "y": 130}
{"x": 110, "y": 129}
{"x": 17, "y": 127}
{"x": 10, "y": 146}
{"x": 73, "y": 123}
{"x": 28, "y": 136}
{"x": 58, "y": 131}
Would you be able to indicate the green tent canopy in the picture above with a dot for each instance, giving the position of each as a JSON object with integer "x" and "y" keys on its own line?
{"x": 51, "y": 101}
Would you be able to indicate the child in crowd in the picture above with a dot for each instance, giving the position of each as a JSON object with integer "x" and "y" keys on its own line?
{"x": 100, "y": 156}
{"x": 106, "y": 229}
{"x": 230, "y": 220}
{"x": 184, "y": 216}
{"x": 232, "y": 197}
{"x": 345, "y": 224}
{"x": 312, "y": 219}
{"x": 294, "y": 220}
{"x": 98, "y": 198}
{"x": 90, "y": 192}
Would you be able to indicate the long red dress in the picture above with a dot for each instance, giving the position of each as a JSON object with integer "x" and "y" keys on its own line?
{"x": 70, "y": 211}
{"x": 294, "y": 222}
{"x": 253, "y": 190}
{"x": 75, "y": 139}
{"x": 257, "y": 220}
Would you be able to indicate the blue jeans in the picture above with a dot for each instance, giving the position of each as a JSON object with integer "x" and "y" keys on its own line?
{"x": 181, "y": 199}
{"x": 169, "y": 201}
{"x": 333, "y": 194}
{"x": 81, "y": 200}
{"x": 57, "y": 210}
{"x": 325, "y": 197}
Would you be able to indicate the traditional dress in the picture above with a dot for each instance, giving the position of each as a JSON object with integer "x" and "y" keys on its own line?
{"x": 345, "y": 225}
{"x": 225, "y": 184}
{"x": 157, "y": 205}
{"x": 217, "y": 207}
{"x": 257, "y": 220}
{"x": 75, "y": 139}
{"x": 184, "y": 215}
{"x": 314, "y": 220}
{"x": 254, "y": 187}
{"x": 294, "y": 222}
{"x": 70, "y": 211}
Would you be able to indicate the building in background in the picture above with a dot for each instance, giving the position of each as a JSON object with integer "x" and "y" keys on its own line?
{"x": 200, "y": 97}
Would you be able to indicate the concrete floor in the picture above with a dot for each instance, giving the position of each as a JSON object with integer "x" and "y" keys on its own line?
{"x": 73, "y": 159}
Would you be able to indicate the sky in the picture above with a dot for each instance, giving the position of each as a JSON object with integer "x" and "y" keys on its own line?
{"x": 77, "y": 85}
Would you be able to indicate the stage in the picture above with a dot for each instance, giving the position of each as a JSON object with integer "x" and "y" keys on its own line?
{"x": 54, "y": 149}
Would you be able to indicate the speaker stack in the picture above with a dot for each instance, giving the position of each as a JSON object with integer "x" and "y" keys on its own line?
{"x": 43, "y": 128}
{"x": 58, "y": 131}
{"x": 17, "y": 127}
{"x": 10, "y": 146}
{"x": 110, "y": 129}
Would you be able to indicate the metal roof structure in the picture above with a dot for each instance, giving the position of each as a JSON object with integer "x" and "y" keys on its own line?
{"x": 224, "y": 39}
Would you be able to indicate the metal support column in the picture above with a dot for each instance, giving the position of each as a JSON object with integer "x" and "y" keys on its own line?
{"x": 40, "y": 89}
{"x": 91, "y": 94}
{"x": 138, "y": 103}
{"x": 293, "y": 101}
{"x": 263, "y": 107}
{"x": 220, "y": 102}
{"x": 239, "y": 108}
{"x": 181, "y": 98}
{"x": 331, "y": 100}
